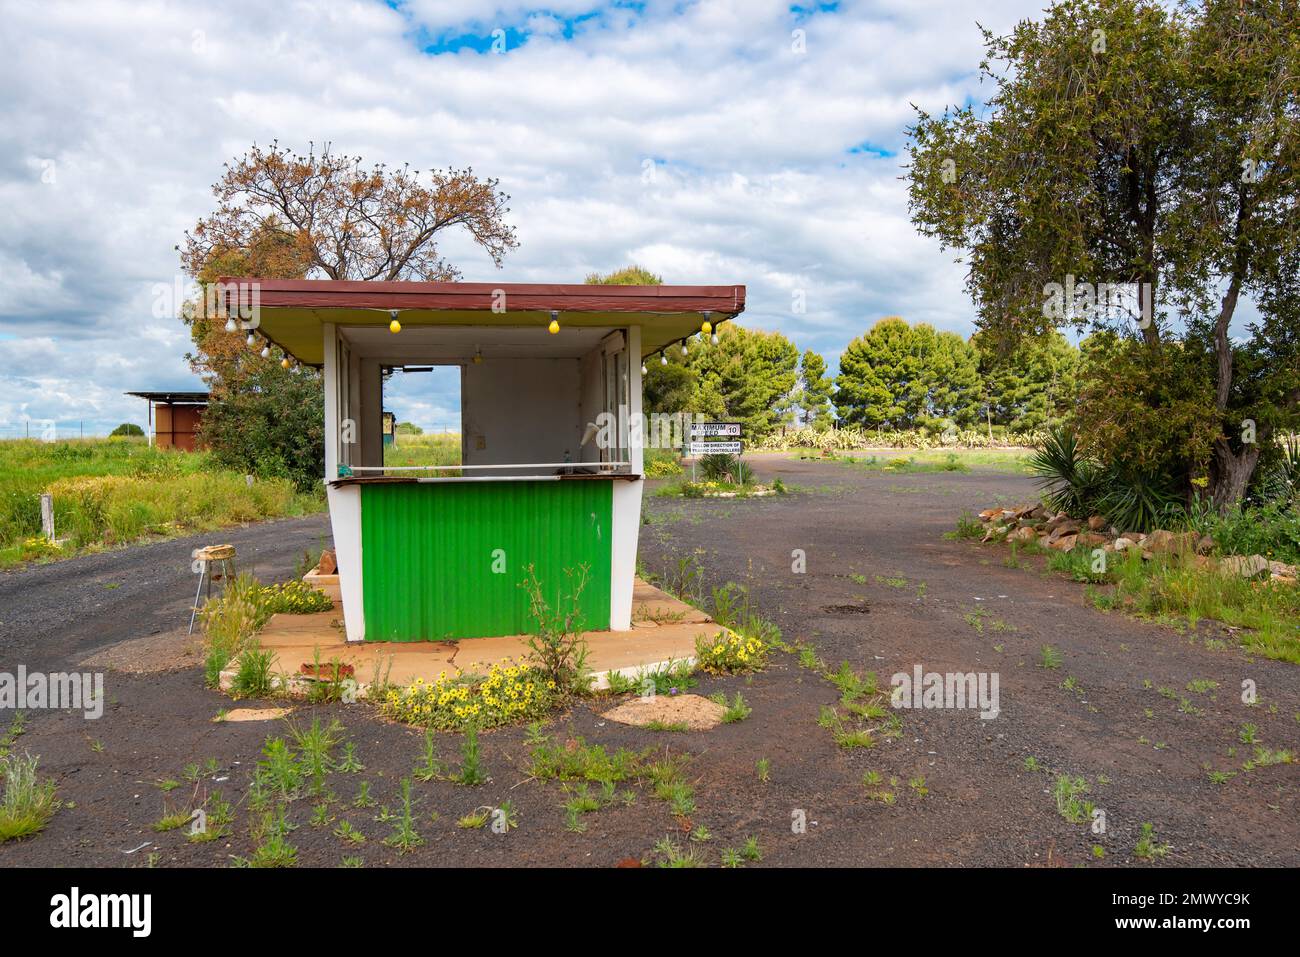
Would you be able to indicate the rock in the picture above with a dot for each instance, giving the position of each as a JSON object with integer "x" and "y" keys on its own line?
{"x": 1061, "y": 529}
{"x": 1282, "y": 571}
{"x": 1090, "y": 539}
{"x": 1020, "y": 511}
{"x": 1123, "y": 544}
{"x": 989, "y": 514}
{"x": 1252, "y": 566}
{"x": 1064, "y": 543}
{"x": 1204, "y": 545}
{"x": 328, "y": 563}
{"x": 1025, "y": 533}
{"x": 1096, "y": 523}
{"x": 995, "y": 531}
{"x": 1161, "y": 542}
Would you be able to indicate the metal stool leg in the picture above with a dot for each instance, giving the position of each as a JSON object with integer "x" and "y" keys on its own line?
{"x": 195, "y": 610}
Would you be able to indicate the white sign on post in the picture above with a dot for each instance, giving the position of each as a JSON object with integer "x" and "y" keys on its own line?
{"x": 714, "y": 448}
{"x": 715, "y": 430}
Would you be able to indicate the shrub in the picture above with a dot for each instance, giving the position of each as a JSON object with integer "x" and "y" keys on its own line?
{"x": 661, "y": 463}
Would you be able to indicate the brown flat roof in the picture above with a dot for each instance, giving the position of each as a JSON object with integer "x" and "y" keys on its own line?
{"x": 486, "y": 296}
{"x": 292, "y": 310}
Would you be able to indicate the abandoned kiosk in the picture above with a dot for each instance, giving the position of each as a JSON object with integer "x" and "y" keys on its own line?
{"x": 430, "y": 553}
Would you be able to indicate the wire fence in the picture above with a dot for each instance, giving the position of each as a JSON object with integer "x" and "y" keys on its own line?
{"x": 52, "y": 430}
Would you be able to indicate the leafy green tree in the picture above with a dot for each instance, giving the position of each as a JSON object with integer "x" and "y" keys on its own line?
{"x": 747, "y": 377}
{"x": 282, "y": 215}
{"x": 1030, "y": 387}
{"x": 812, "y": 398}
{"x": 127, "y": 429}
{"x": 627, "y": 276}
{"x": 1128, "y": 145}
{"x": 908, "y": 377}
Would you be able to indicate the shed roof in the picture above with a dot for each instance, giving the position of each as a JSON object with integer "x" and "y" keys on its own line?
{"x": 193, "y": 398}
{"x": 293, "y": 310}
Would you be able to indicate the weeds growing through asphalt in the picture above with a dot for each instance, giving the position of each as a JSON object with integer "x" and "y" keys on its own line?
{"x": 346, "y": 832}
{"x": 1070, "y": 804}
{"x": 348, "y": 762}
{"x": 315, "y": 749}
{"x": 1148, "y": 847}
{"x": 1049, "y": 657}
{"x": 471, "y": 771}
{"x": 28, "y": 803}
{"x": 429, "y": 768}
{"x": 737, "y": 710}
{"x": 363, "y": 798}
{"x": 273, "y": 848}
{"x": 404, "y": 837}
{"x": 669, "y": 854}
{"x": 764, "y": 769}
{"x": 864, "y": 705}
{"x": 475, "y": 819}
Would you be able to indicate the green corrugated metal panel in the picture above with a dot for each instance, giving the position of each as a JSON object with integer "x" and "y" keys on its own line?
{"x": 427, "y": 554}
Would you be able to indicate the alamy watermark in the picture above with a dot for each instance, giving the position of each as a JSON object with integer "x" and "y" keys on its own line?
{"x": 938, "y": 690}
{"x": 1086, "y": 301}
{"x": 38, "y": 690}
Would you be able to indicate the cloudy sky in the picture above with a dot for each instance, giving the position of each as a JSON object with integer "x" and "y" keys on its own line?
{"x": 718, "y": 141}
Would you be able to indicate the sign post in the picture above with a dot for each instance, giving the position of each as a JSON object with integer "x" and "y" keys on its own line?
{"x": 714, "y": 438}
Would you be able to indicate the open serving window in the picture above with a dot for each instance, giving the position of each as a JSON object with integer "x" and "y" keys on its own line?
{"x": 550, "y": 478}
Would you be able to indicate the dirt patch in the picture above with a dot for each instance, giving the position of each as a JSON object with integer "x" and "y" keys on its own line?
{"x": 255, "y": 714}
{"x": 694, "y": 712}
{"x": 165, "y": 651}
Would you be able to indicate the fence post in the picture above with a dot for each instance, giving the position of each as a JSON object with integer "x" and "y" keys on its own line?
{"x": 47, "y": 515}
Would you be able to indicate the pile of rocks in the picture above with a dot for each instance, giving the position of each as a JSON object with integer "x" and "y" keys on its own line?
{"x": 1035, "y": 523}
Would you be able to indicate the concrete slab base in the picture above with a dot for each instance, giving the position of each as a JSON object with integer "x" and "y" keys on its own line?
{"x": 663, "y": 633}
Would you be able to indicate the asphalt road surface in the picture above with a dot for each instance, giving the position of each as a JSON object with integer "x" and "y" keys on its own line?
{"x": 54, "y": 615}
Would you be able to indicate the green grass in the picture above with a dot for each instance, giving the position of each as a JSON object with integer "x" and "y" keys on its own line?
{"x": 939, "y": 460}
{"x": 28, "y": 802}
{"x": 433, "y": 449}
{"x": 110, "y": 492}
{"x": 1170, "y": 587}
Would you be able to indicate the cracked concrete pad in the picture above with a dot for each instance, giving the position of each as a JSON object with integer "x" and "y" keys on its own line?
{"x": 697, "y": 713}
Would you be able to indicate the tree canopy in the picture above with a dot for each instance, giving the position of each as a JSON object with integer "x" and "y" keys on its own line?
{"x": 1144, "y": 160}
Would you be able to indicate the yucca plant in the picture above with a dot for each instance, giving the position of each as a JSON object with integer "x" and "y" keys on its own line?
{"x": 1136, "y": 502}
{"x": 1069, "y": 480}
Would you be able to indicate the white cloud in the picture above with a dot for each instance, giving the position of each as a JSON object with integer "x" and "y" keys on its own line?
{"x": 135, "y": 106}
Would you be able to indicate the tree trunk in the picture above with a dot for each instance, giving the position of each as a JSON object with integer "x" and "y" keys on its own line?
{"x": 1232, "y": 472}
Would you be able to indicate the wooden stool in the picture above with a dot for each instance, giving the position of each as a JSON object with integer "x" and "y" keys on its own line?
{"x": 222, "y": 555}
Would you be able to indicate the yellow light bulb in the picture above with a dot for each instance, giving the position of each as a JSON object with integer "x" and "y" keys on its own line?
{"x": 394, "y": 327}
{"x": 707, "y": 327}
{"x": 284, "y": 363}
{"x": 554, "y": 327}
